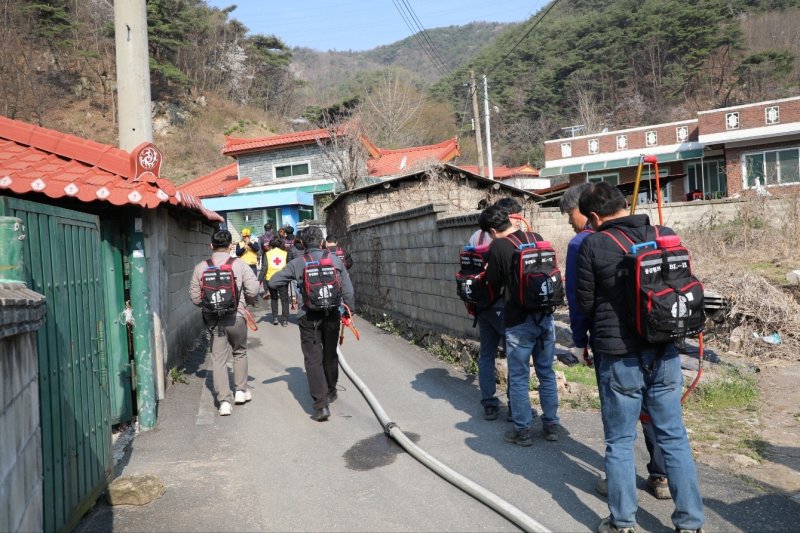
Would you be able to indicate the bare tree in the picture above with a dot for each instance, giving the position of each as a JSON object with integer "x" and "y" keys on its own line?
{"x": 345, "y": 154}
{"x": 589, "y": 111}
{"x": 390, "y": 110}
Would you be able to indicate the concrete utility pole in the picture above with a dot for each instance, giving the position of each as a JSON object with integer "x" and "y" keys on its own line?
{"x": 473, "y": 88}
{"x": 133, "y": 73}
{"x": 136, "y": 127}
{"x": 488, "y": 130}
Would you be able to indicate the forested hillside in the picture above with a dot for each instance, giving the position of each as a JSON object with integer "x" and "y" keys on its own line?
{"x": 601, "y": 63}
{"x": 619, "y": 63}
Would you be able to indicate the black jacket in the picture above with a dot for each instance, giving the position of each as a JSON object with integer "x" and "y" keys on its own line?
{"x": 500, "y": 269}
{"x": 600, "y": 287}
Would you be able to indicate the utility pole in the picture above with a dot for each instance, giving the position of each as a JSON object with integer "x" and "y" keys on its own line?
{"x": 136, "y": 127}
{"x": 488, "y": 130}
{"x": 133, "y": 73}
{"x": 473, "y": 88}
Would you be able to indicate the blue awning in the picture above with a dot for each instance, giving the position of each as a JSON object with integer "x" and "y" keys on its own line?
{"x": 259, "y": 200}
{"x": 617, "y": 163}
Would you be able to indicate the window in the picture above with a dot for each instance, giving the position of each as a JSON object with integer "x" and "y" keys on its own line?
{"x": 291, "y": 170}
{"x": 611, "y": 179}
{"x": 306, "y": 213}
{"x": 647, "y": 189}
{"x": 707, "y": 177}
{"x": 774, "y": 167}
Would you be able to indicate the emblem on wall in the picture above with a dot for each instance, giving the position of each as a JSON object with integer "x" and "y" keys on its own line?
{"x": 145, "y": 162}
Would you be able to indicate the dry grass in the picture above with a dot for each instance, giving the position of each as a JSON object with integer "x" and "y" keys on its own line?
{"x": 746, "y": 260}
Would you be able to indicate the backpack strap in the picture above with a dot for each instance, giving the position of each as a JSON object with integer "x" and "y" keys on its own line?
{"x": 480, "y": 239}
{"x": 624, "y": 248}
{"x": 209, "y": 262}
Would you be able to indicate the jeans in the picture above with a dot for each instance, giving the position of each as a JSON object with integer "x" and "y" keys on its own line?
{"x": 536, "y": 335}
{"x": 627, "y": 386}
{"x": 491, "y": 329}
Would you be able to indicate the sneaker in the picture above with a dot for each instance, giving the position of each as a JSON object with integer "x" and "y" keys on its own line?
{"x": 659, "y": 487}
{"x": 520, "y": 438}
{"x": 242, "y": 396}
{"x": 491, "y": 412}
{"x": 605, "y": 526}
{"x": 225, "y": 409}
{"x": 333, "y": 396}
{"x": 274, "y": 321}
{"x": 284, "y": 324}
{"x": 550, "y": 432}
{"x": 602, "y": 486}
{"x": 321, "y": 415}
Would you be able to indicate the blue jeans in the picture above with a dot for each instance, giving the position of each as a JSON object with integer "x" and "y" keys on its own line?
{"x": 628, "y": 385}
{"x": 536, "y": 335}
{"x": 491, "y": 329}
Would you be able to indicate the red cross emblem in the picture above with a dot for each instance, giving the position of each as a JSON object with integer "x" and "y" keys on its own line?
{"x": 277, "y": 261}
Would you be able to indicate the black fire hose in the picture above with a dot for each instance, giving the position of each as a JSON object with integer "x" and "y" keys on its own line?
{"x": 512, "y": 513}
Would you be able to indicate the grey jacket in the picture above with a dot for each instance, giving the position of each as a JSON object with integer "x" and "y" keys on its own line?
{"x": 294, "y": 271}
{"x": 246, "y": 282}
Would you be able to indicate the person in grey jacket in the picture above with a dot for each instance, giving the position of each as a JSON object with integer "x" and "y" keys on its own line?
{"x": 229, "y": 333}
{"x": 319, "y": 330}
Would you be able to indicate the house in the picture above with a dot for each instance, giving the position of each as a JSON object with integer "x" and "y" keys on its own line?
{"x": 111, "y": 245}
{"x": 457, "y": 189}
{"x": 723, "y": 152}
{"x": 286, "y": 179}
{"x": 523, "y": 177}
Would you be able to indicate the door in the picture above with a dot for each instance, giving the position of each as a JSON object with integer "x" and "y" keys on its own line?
{"x": 61, "y": 249}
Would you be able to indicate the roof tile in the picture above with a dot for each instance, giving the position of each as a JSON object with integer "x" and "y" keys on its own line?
{"x": 393, "y": 162}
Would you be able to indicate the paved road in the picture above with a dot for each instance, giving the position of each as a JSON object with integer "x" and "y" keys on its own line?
{"x": 270, "y": 467}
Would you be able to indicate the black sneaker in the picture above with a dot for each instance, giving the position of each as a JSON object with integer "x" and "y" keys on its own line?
{"x": 520, "y": 438}
{"x": 491, "y": 412}
{"x": 550, "y": 432}
{"x": 321, "y": 415}
{"x": 274, "y": 321}
{"x": 284, "y": 324}
{"x": 333, "y": 396}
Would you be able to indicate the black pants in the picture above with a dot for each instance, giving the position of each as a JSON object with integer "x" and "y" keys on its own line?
{"x": 283, "y": 294}
{"x": 318, "y": 338}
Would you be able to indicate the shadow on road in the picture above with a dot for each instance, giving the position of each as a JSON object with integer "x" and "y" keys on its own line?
{"x": 295, "y": 379}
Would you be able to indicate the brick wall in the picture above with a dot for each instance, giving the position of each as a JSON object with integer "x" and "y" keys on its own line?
{"x": 22, "y": 312}
{"x": 750, "y": 116}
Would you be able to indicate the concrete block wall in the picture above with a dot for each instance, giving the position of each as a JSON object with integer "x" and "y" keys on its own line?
{"x": 258, "y": 166}
{"x": 187, "y": 243}
{"x": 21, "y": 313}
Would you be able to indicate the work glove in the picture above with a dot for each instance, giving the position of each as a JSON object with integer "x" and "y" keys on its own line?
{"x": 583, "y": 355}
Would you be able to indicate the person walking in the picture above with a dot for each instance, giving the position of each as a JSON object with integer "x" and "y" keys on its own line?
{"x": 319, "y": 330}
{"x": 263, "y": 248}
{"x": 331, "y": 243}
{"x": 275, "y": 261}
{"x": 229, "y": 332}
{"x": 526, "y": 332}
{"x": 247, "y": 250}
{"x": 634, "y": 375}
{"x": 579, "y": 326}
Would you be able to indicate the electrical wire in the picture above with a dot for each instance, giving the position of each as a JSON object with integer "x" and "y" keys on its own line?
{"x": 524, "y": 36}
{"x": 420, "y": 39}
{"x": 426, "y": 35}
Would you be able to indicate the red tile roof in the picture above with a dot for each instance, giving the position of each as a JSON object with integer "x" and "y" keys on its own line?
{"x": 503, "y": 172}
{"x": 234, "y": 145}
{"x": 36, "y": 159}
{"x": 393, "y": 162}
{"x": 221, "y": 182}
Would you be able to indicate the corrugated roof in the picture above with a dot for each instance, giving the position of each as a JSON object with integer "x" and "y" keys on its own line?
{"x": 36, "y": 159}
{"x": 221, "y": 182}
{"x": 394, "y": 162}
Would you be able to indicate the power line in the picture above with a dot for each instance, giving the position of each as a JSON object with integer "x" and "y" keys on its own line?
{"x": 420, "y": 40}
{"x": 524, "y": 36}
{"x": 426, "y": 36}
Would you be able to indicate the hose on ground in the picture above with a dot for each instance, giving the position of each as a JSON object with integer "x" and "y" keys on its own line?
{"x": 510, "y": 512}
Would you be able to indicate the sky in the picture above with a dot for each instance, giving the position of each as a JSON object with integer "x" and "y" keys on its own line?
{"x": 364, "y": 24}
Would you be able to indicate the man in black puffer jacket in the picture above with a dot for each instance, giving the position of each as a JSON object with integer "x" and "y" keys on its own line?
{"x": 633, "y": 374}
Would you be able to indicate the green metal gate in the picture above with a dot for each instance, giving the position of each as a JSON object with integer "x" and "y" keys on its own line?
{"x": 61, "y": 254}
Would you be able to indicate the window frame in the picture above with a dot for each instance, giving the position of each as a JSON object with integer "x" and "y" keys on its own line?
{"x": 291, "y": 165}
{"x": 597, "y": 178}
{"x": 763, "y": 155}
{"x": 702, "y": 176}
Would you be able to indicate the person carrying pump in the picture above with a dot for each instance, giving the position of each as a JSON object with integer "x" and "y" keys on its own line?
{"x": 526, "y": 331}
{"x": 634, "y": 375}
{"x": 217, "y": 286}
{"x": 580, "y": 325}
{"x": 334, "y": 248}
{"x": 325, "y": 285}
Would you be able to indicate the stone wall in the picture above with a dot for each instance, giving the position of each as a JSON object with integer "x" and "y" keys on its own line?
{"x": 21, "y": 314}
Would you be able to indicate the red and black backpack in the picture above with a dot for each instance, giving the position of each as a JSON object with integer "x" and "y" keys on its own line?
{"x": 219, "y": 296}
{"x": 665, "y": 300}
{"x": 322, "y": 287}
{"x": 471, "y": 285}
{"x": 537, "y": 284}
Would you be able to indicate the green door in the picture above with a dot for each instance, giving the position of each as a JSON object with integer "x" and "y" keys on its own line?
{"x": 61, "y": 253}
